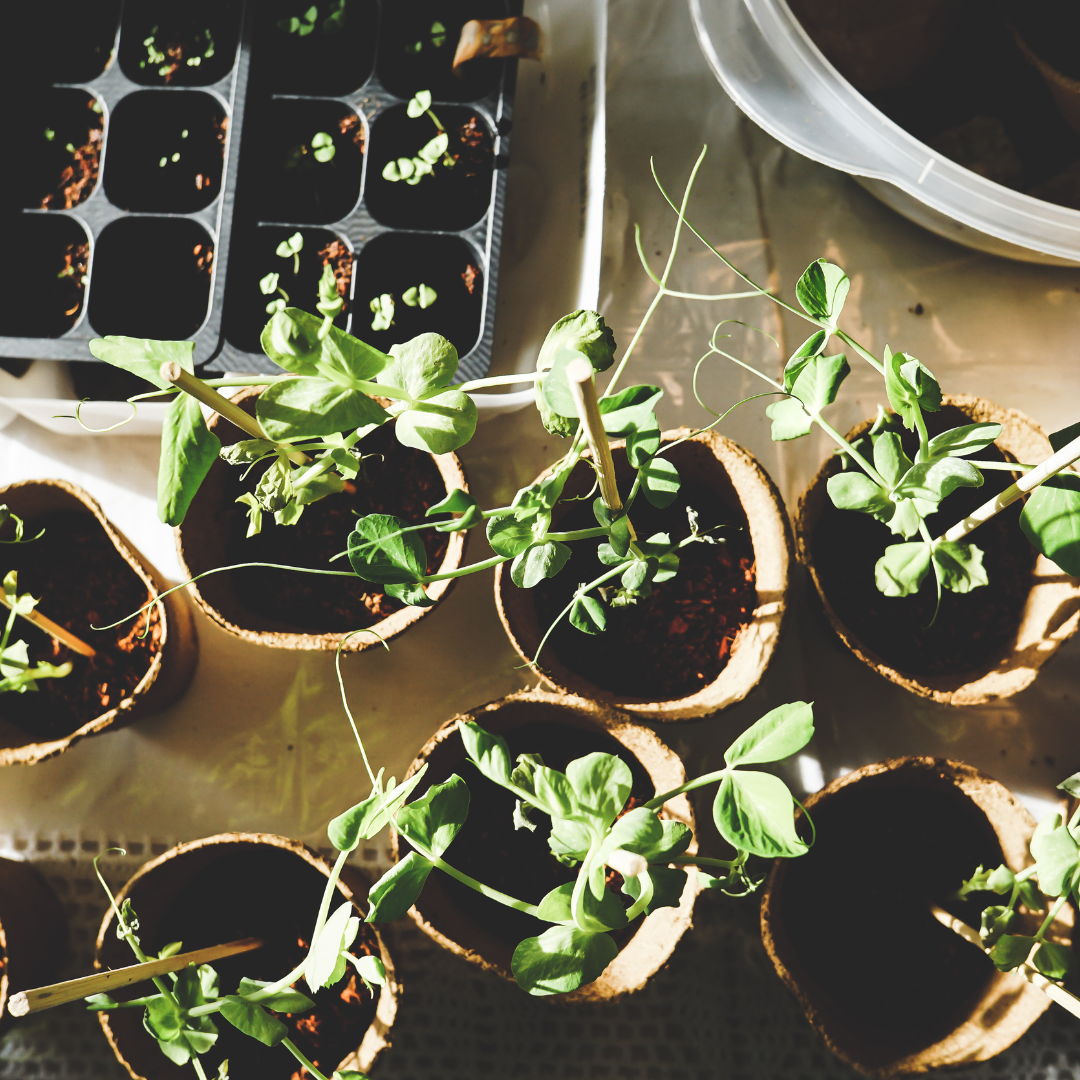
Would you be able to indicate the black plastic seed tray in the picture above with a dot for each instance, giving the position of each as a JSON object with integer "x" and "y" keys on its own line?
{"x": 292, "y": 83}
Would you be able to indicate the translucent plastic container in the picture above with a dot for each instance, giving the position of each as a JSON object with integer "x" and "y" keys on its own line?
{"x": 766, "y": 61}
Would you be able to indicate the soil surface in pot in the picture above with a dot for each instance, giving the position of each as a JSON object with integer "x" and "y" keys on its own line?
{"x": 519, "y": 862}
{"x": 45, "y": 298}
{"x": 236, "y": 897}
{"x": 855, "y": 907}
{"x": 188, "y": 44}
{"x": 81, "y": 581}
{"x": 678, "y": 640}
{"x": 394, "y": 479}
{"x": 450, "y": 198}
{"x": 61, "y": 131}
{"x": 970, "y": 627}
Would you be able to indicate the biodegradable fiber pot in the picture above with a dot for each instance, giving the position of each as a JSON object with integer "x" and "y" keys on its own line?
{"x": 727, "y": 473}
{"x": 1043, "y": 621}
{"x": 202, "y": 543}
{"x": 33, "y": 932}
{"x": 488, "y": 848}
{"x": 848, "y": 927}
{"x": 173, "y": 664}
{"x": 236, "y": 885}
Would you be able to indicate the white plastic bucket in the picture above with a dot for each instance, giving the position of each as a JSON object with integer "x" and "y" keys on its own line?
{"x": 780, "y": 79}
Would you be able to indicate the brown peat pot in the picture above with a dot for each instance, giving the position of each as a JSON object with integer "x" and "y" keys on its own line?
{"x": 725, "y": 484}
{"x": 209, "y": 538}
{"x": 986, "y": 644}
{"x": 88, "y": 542}
{"x": 849, "y": 930}
{"x": 238, "y": 885}
{"x": 33, "y": 932}
{"x": 560, "y": 729}
{"x": 1043, "y": 32}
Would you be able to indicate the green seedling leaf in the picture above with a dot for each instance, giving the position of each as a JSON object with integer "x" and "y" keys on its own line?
{"x": 581, "y": 332}
{"x": 902, "y": 569}
{"x": 668, "y": 886}
{"x": 318, "y": 487}
{"x": 326, "y": 960}
{"x": 422, "y": 366}
{"x": 436, "y": 818}
{"x": 556, "y": 387}
{"x": 961, "y": 441}
{"x": 754, "y": 812}
{"x": 291, "y": 246}
{"x": 910, "y": 387}
{"x": 778, "y": 734}
{"x": 368, "y": 818}
{"x": 396, "y": 891}
{"x": 188, "y": 449}
{"x": 274, "y": 490}
{"x": 538, "y": 562}
{"x": 822, "y": 290}
{"x": 457, "y": 502}
{"x": 1011, "y": 951}
{"x": 642, "y": 445}
{"x": 994, "y": 922}
{"x": 268, "y": 284}
{"x": 1051, "y": 521}
{"x": 618, "y": 526}
{"x": 246, "y": 451}
{"x": 932, "y": 481}
{"x": 380, "y": 552}
{"x": 510, "y": 537}
{"x": 1057, "y": 855}
{"x": 631, "y": 410}
{"x": 144, "y": 357}
{"x": 856, "y": 491}
{"x": 1001, "y": 880}
{"x": 816, "y": 386}
{"x": 292, "y": 340}
{"x": 889, "y": 458}
{"x": 561, "y": 959}
{"x": 789, "y": 420}
{"x": 960, "y": 565}
{"x": 408, "y": 593}
{"x": 284, "y": 1001}
{"x": 419, "y": 104}
{"x": 489, "y": 753}
{"x": 433, "y": 150}
{"x": 253, "y": 1020}
{"x": 1071, "y": 785}
{"x": 305, "y": 408}
{"x": 439, "y": 424}
{"x": 1054, "y": 961}
{"x": 660, "y": 482}
{"x": 587, "y": 615}
{"x": 813, "y": 346}
{"x": 322, "y": 145}
{"x": 556, "y": 907}
{"x": 371, "y": 970}
{"x": 601, "y": 782}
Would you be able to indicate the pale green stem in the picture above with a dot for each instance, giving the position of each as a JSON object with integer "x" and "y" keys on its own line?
{"x": 577, "y": 595}
{"x": 480, "y": 887}
{"x": 690, "y": 785}
{"x": 472, "y": 568}
{"x": 499, "y": 380}
{"x": 292, "y": 1048}
{"x": 869, "y": 357}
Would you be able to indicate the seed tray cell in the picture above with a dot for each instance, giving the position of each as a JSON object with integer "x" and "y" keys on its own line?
{"x": 321, "y": 102}
{"x": 61, "y": 130}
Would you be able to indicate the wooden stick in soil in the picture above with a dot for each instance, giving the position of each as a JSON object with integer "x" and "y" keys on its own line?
{"x": 1028, "y": 482}
{"x": 1025, "y": 971}
{"x": 47, "y": 997}
{"x": 172, "y": 372}
{"x": 579, "y": 375}
{"x": 55, "y": 630}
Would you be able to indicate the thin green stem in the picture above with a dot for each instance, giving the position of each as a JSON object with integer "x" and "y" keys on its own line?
{"x": 1051, "y": 916}
{"x": 705, "y": 296}
{"x": 472, "y": 568}
{"x": 868, "y": 356}
{"x": 480, "y": 887}
{"x": 499, "y": 380}
{"x": 292, "y": 1048}
{"x": 577, "y": 534}
{"x": 924, "y": 438}
{"x": 841, "y": 441}
{"x": 690, "y": 785}
{"x": 200, "y": 1072}
{"x": 701, "y": 860}
{"x": 573, "y": 600}
{"x": 1003, "y": 466}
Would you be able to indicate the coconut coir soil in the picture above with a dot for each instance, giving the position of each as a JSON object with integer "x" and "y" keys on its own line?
{"x": 394, "y": 479}
{"x": 519, "y": 862}
{"x": 678, "y": 640}
{"x": 969, "y": 627}
{"x": 81, "y": 582}
{"x": 269, "y": 894}
{"x": 855, "y": 907}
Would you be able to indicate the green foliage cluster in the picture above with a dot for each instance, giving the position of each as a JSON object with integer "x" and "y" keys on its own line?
{"x": 434, "y": 152}
{"x": 333, "y": 22}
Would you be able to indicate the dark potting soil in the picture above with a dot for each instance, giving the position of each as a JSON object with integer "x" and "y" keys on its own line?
{"x": 332, "y": 59}
{"x": 678, "y": 640}
{"x": 855, "y": 907}
{"x": 279, "y": 168}
{"x": 415, "y": 55}
{"x": 450, "y": 198}
{"x": 519, "y": 862}
{"x": 982, "y": 104}
{"x": 67, "y": 41}
{"x": 170, "y": 297}
{"x": 188, "y": 44}
{"x": 395, "y": 479}
{"x": 268, "y": 893}
{"x": 81, "y": 582}
{"x": 1050, "y": 29}
{"x": 245, "y": 308}
{"x": 395, "y": 262}
{"x": 45, "y": 297}
{"x": 60, "y": 130}
{"x": 166, "y": 152}
{"x": 970, "y": 627}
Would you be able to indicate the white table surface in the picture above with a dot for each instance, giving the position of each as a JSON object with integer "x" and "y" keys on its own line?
{"x": 260, "y": 741}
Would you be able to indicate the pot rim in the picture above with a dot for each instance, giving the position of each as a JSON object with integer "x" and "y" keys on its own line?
{"x": 453, "y": 475}
{"x": 635, "y": 964}
{"x": 33, "y": 752}
{"x": 376, "y": 1038}
{"x": 768, "y": 525}
{"x": 962, "y": 1046}
{"x": 1041, "y": 631}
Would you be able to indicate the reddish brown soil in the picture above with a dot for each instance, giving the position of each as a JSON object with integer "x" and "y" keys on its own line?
{"x": 676, "y": 641}
{"x": 81, "y": 582}
{"x": 77, "y": 180}
{"x": 469, "y": 276}
{"x": 476, "y": 150}
{"x": 73, "y": 274}
{"x": 350, "y": 126}
{"x": 337, "y": 255}
{"x": 394, "y": 480}
{"x": 969, "y": 627}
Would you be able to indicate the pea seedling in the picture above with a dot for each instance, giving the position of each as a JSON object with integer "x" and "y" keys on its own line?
{"x": 302, "y": 25}
{"x": 320, "y": 150}
{"x": 16, "y": 674}
{"x": 422, "y": 296}
{"x": 434, "y": 152}
{"x": 382, "y": 308}
{"x": 435, "y": 37}
{"x": 171, "y": 54}
{"x": 271, "y": 283}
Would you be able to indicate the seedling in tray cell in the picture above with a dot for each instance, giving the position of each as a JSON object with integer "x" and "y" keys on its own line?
{"x": 320, "y": 149}
{"x": 332, "y": 22}
{"x": 168, "y": 56}
{"x": 413, "y": 170}
{"x": 435, "y": 38}
{"x": 383, "y": 305}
